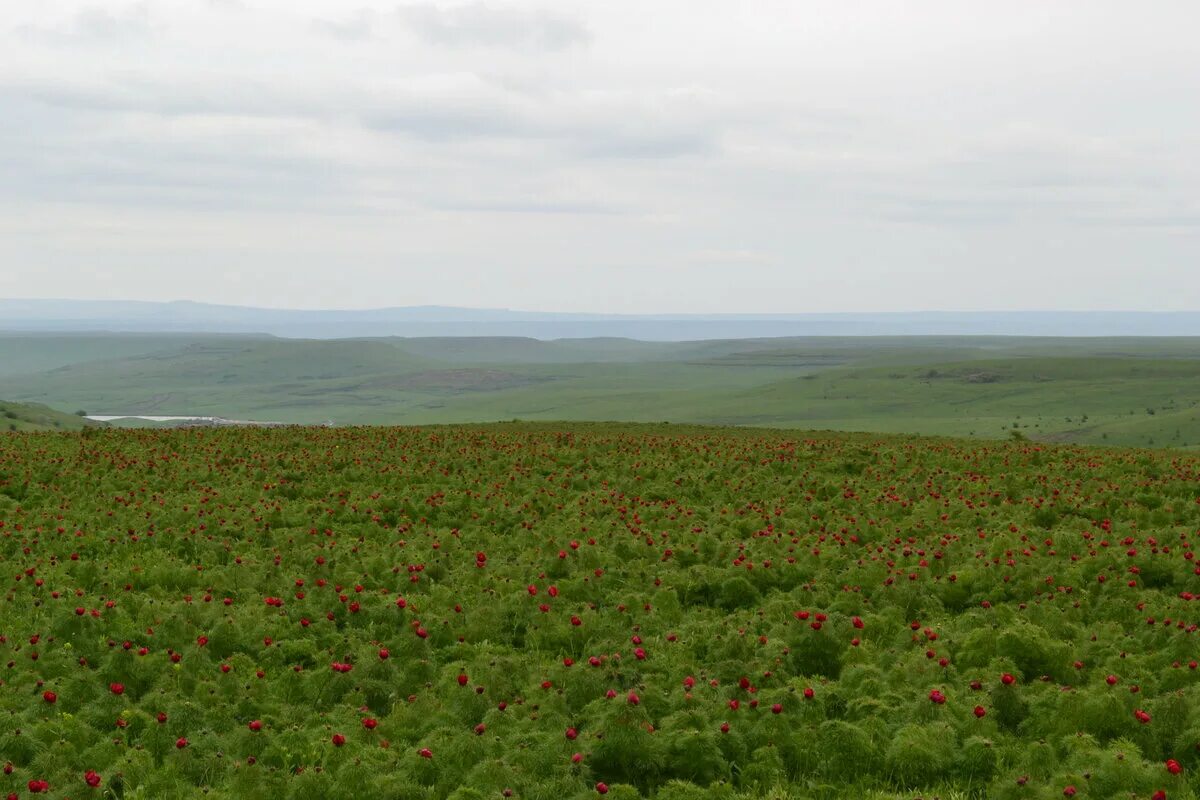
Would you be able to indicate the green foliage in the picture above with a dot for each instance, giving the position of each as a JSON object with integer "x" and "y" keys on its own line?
{"x": 737, "y": 592}
{"x": 921, "y": 754}
{"x": 773, "y": 615}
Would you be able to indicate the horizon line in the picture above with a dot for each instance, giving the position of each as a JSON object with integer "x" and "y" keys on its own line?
{"x": 617, "y": 314}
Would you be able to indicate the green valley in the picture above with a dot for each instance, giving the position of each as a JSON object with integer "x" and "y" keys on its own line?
{"x": 1135, "y": 391}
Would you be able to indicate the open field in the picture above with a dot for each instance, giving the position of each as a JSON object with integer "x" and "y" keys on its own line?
{"x": 1135, "y": 391}
{"x": 569, "y": 611}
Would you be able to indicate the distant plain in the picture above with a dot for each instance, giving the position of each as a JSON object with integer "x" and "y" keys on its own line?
{"x": 1141, "y": 391}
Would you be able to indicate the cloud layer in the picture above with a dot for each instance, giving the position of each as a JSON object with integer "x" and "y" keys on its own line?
{"x": 619, "y": 156}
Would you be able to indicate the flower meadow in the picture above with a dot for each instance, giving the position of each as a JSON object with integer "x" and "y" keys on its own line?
{"x": 593, "y": 610}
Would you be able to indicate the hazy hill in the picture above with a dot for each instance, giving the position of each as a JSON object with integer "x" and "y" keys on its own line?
{"x": 437, "y": 321}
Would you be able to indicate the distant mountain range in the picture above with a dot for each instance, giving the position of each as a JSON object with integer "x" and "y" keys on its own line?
{"x": 135, "y": 316}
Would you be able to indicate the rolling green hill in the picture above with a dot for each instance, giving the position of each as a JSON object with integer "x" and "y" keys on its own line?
{"x": 36, "y": 417}
{"x": 1135, "y": 391}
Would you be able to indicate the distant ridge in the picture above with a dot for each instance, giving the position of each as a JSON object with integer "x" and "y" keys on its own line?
{"x": 44, "y": 315}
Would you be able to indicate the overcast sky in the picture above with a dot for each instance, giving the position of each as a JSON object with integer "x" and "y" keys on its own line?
{"x": 650, "y": 155}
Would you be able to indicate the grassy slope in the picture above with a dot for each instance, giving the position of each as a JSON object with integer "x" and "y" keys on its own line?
{"x": 1064, "y": 399}
{"x": 1089, "y": 390}
{"x": 34, "y": 417}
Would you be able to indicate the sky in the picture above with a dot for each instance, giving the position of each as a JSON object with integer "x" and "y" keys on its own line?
{"x": 616, "y": 156}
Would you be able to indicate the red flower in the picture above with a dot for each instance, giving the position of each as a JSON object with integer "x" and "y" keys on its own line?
{"x": 92, "y": 778}
{"x": 602, "y": 788}
{"x": 369, "y": 723}
{"x": 255, "y": 725}
{"x": 117, "y": 688}
{"x": 181, "y": 743}
{"x": 980, "y": 711}
{"x": 1007, "y": 679}
{"x": 338, "y": 740}
{"x": 50, "y": 697}
{"x": 1173, "y": 766}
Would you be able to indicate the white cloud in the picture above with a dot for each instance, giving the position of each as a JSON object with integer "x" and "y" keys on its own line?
{"x": 106, "y": 24}
{"x": 493, "y": 24}
{"x": 619, "y": 156}
{"x": 358, "y": 26}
